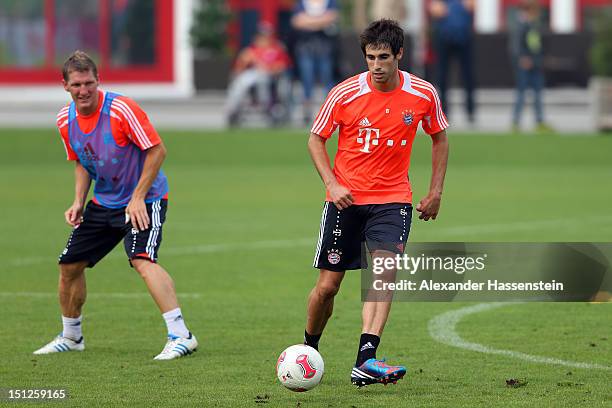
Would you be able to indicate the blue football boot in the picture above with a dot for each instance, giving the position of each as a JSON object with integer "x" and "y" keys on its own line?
{"x": 376, "y": 372}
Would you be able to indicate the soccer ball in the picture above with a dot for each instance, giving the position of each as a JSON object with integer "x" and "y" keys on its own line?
{"x": 300, "y": 368}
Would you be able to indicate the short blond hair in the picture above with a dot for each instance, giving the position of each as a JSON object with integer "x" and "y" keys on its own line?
{"x": 79, "y": 61}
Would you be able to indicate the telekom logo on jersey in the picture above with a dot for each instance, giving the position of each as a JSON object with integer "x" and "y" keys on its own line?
{"x": 368, "y": 138}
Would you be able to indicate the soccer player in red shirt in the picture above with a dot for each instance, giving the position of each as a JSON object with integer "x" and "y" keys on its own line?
{"x": 368, "y": 191}
{"x": 112, "y": 142}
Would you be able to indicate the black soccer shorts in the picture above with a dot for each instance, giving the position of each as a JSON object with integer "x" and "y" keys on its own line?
{"x": 344, "y": 233}
{"x": 102, "y": 228}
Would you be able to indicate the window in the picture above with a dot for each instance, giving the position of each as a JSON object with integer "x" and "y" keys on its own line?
{"x": 130, "y": 40}
{"x": 22, "y": 33}
{"x": 132, "y": 32}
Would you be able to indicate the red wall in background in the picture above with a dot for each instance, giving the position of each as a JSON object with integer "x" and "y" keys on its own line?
{"x": 161, "y": 70}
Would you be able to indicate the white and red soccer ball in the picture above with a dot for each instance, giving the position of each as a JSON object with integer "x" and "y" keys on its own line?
{"x": 300, "y": 368}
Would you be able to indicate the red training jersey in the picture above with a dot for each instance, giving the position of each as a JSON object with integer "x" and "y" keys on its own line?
{"x": 271, "y": 57}
{"x": 376, "y": 134}
{"x": 129, "y": 124}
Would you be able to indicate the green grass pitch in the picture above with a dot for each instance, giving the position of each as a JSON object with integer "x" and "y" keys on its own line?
{"x": 242, "y": 225}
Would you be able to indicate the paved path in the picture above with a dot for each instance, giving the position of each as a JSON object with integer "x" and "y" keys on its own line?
{"x": 567, "y": 110}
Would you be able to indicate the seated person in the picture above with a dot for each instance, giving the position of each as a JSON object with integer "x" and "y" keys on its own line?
{"x": 259, "y": 65}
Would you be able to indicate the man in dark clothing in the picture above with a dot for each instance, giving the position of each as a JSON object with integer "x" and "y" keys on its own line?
{"x": 452, "y": 21}
{"x": 527, "y": 51}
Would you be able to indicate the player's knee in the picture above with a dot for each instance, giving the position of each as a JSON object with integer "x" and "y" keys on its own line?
{"x": 72, "y": 271}
{"x": 327, "y": 290}
{"x": 149, "y": 270}
{"x": 142, "y": 266}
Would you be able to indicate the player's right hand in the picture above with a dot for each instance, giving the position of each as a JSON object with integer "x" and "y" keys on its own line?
{"x": 341, "y": 196}
{"x": 74, "y": 214}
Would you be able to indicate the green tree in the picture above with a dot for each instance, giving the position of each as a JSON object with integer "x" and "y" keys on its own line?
{"x": 209, "y": 29}
{"x": 601, "y": 51}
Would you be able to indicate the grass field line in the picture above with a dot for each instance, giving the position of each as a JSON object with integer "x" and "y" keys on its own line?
{"x": 524, "y": 225}
{"x": 311, "y": 241}
{"x": 112, "y": 295}
{"x": 191, "y": 250}
{"x": 443, "y": 328}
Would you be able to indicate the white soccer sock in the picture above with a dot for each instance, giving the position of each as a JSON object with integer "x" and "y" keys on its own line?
{"x": 72, "y": 327}
{"x": 175, "y": 323}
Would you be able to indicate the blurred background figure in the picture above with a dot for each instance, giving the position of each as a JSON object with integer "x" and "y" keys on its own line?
{"x": 526, "y": 50}
{"x": 366, "y": 11}
{"x": 452, "y": 31}
{"x": 262, "y": 66}
{"x": 394, "y": 9}
{"x": 314, "y": 23}
{"x": 186, "y": 50}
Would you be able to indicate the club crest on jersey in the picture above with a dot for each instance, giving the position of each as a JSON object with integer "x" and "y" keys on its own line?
{"x": 334, "y": 256}
{"x": 408, "y": 117}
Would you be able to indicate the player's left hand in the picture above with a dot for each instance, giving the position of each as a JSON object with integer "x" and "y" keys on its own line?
{"x": 136, "y": 211}
{"x": 429, "y": 207}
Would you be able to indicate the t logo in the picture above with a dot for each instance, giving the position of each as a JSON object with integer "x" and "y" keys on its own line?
{"x": 368, "y": 136}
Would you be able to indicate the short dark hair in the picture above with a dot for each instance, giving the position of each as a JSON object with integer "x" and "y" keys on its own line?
{"x": 382, "y": 33}
{"x": 79, "y": 61}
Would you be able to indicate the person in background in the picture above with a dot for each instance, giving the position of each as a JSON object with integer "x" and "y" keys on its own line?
{"x": 527, "y": 51}
{"x": 260, "y": 65}
{"x": 452, "y": 23}
{"x": 314, "y": 22}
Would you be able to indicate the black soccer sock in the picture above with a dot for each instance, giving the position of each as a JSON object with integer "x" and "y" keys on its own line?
{"x": 312, "y": 340}
{"x": 368, "y": 343}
